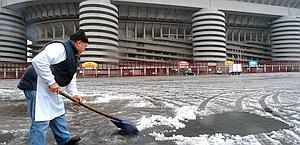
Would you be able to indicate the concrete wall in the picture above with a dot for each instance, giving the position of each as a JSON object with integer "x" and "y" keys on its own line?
{"x": 218, "y": 4}
{"x": 224, "y": 5}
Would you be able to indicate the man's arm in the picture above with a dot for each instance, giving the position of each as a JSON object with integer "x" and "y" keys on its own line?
{"x": 72, "y": 89}
{"x": 52, "y": 54}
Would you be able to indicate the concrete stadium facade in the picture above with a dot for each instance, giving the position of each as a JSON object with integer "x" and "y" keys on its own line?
{"x": 156, "y": 30}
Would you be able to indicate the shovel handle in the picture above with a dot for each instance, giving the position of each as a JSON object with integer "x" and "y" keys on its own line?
{"x": 65, "y": 94}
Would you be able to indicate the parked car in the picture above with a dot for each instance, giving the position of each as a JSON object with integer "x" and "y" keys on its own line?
{"x": 219, "y": 71}
{"x": 188, "y": 71}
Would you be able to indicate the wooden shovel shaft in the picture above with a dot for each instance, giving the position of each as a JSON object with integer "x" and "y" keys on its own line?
{"x": 65, "y": 94}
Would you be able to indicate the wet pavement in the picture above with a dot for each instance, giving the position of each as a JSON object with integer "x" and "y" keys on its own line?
{"x": 233, "y": 123}
{"x": 210, "y": 109}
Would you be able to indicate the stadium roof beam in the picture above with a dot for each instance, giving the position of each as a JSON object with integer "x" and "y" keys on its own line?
{"x": 27, "y": 13}
{"x": 290, "y": 3}
{"x": 37, "y": 32}
{"x": 287, "y": 3}
{"x": 273, "y": 2}
{"x": 63, "y": 6}
{"x": 53, "y": 30}
{"x": 249, "y": 19}
{"x": 243, "y": 19}
{"x": 277, "y": 2}
{"x": 33, "y": 12}
{"x": 297, "y": 4}
{"x": 74, "y": 26}
{"x": 50, "y": 10}
{"x": 40, "y": 11}
{"x": 44, "y": 9}
{"x": 280, "y": 2}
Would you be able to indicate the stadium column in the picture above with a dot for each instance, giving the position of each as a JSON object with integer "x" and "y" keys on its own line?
{"x": 99, "y": 18}
{"x": 285, "y": 36}
{"x": 12, "y": 36}
{"x": 209, "y": 35}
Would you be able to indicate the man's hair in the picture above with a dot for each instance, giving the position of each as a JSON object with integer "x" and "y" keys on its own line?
{"x": 79, "y": 35}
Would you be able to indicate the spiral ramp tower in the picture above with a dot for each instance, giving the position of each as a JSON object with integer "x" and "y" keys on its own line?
{"x": 12, "y": 37}
{"x": 209, "y": 35}
{"x": 285, "y": 39}
{"x": 99, "y": 18}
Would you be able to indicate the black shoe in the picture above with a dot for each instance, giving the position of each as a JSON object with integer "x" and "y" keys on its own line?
{"x": 73, "y": 141}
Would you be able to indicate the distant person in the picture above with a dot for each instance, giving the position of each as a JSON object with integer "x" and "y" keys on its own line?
{"x": 51, "y": 69}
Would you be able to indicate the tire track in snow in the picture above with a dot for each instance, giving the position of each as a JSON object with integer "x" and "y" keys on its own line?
{"x": 182, "y": 101}
{"x": 265, "y": 107}
{"x": 287, "y": 137}
{"x": 262, "y": 101}
{"x": 266, "y": 140}
{"x": 159, "y": 101}
{"x": 168, "y": 101}
{"x": 275, "y": 98}
{"x": 239, "y": 102}
{"x": 152, "y": 101}
{"x": 205, "y": 102}
{"x": 290, "y": 105}
{"x": 283, "y": 109}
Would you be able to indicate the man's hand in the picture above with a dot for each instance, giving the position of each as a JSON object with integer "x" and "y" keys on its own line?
{"x": 78, "y": 99}
{"x": 55, "y": 88}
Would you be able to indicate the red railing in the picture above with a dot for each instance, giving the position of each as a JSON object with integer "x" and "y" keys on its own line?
{"x": 140, "y": 68}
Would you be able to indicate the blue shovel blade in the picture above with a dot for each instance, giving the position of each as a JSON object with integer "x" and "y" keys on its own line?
{"x": 126, "y": 126}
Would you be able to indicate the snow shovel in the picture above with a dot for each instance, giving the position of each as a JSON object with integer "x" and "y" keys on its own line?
{"x": 124, "y": 125}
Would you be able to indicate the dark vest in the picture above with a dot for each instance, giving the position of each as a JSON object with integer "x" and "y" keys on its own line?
{"x": 63, "y": 72}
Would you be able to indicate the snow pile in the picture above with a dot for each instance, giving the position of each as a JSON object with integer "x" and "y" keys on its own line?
{"x": 287, "y": 136}
{"x": 186, "y": 113}
{"x": 105, "y": 98}
{"x": 216, "y": 139}
{"x": 181, "y": 140}
{"x": 168, "y": 105}
{"x": 156, "y": 120}
{"x": 140, "y": 103}
{"x": 182, "y": 114}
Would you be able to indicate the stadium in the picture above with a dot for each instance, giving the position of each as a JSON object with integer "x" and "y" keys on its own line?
{"x": 154, "y": 31}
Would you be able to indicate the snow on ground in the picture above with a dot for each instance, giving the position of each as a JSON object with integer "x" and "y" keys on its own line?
{"x": 191, "y": 97}
{"x": 215, "y": 105}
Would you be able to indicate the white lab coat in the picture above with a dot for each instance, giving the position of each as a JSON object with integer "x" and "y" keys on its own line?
{"x": 48, "y": 104}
